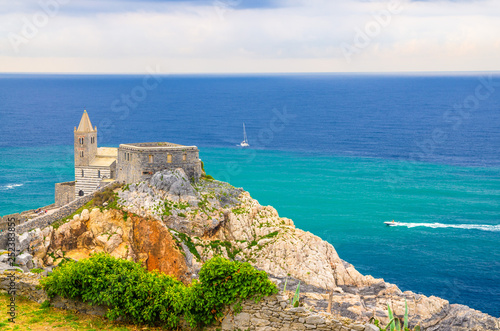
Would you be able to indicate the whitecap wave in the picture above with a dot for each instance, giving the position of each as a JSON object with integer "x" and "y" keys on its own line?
{"x": 483, "y": 227}
{"x": 9, "y": 187}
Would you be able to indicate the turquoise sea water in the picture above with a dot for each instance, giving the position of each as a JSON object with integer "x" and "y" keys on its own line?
{"x": 353, "y": 152}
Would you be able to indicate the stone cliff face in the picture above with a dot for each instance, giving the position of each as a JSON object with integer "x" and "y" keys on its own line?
{"x": 128, "y": 237}
{"x": 220, "y": 219}
{"x": 155, "y": 243}
{"x": 172, "y": 226}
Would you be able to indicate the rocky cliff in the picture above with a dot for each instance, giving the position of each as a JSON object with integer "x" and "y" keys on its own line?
{"x": 173, "y": 226}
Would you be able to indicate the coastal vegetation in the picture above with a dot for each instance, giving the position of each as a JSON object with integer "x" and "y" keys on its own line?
{"x": 152, "y": 298}
{"x": 395, "y": 324}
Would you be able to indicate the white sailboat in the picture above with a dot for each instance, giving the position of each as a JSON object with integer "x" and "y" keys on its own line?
{"x": 244, "y": 143}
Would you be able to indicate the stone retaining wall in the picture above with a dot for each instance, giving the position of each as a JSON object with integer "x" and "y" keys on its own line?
{"x": 275, "y": 313}
{"x": 46, "y": 220}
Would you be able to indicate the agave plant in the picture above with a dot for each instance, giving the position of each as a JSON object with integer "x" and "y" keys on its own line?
{"x": 296, "y": 297}
{"x": 394, "y": 322}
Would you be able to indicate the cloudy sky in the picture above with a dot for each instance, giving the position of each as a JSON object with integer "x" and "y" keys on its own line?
{"x": 241, "y": 36}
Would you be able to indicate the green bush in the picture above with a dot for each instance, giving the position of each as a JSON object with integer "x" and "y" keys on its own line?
{"x": 153, "y": 298}
{"x": 222, "y": 283}
{"x": 128, "y": 289}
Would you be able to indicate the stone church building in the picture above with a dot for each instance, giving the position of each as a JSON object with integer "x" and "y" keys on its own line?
{"x": 129, "y": 163}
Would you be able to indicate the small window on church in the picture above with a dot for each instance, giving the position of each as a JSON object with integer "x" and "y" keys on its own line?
{"x": 81, "y": 194}
{"x": 169, "y": 158}
{"x": 184, "y": 157}
{"x": 80, "y": 140}
{"x": 151, "y": 159}
{"x": 83, "y": 173}
{"x": 99, "y": 173}
{"x": 81, "y": 154}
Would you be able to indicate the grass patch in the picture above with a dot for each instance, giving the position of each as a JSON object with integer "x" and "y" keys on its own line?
{"x": 38, "y": 317}
{"x": 239, "y": 211}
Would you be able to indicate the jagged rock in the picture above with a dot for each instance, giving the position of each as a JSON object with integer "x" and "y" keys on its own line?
{"x": 41, "y": 244}
{"x": 154, "y": 240}
{"x": 173, "y": 182}
{"x": 85, "y": 215}
{"x": 4, "y": 256}
{"x": 25, "y": 260}
{"x": 86, "y": 240}
{"x": 461, "y": 318}
{"x": 110, "y": 243}
{"x": 5, "y": 267}
{"x": 371, "y": 327}
{"x": 23, "y": 241}
{"x": 66, "y": 236}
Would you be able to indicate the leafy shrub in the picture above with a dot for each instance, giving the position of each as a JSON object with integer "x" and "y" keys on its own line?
{"x": 127, "y": 288}
{"x": 154, "y": 298}
{"x": 223, "y": 283}
{"x": 36, "y": 270}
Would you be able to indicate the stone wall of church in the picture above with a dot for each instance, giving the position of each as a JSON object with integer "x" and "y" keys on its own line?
{"x": 65, "y": 193}
{"x": 139, "y": 163}
{"x": 88, "y": 179}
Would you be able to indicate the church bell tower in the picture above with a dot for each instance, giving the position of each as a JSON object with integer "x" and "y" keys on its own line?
{"x": 85, "y": 142}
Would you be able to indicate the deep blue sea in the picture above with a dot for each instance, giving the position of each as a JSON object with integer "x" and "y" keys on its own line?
{"x": 338, "y": 154}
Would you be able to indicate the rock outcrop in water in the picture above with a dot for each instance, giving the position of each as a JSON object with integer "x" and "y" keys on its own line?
{"x": 173, "y": 226}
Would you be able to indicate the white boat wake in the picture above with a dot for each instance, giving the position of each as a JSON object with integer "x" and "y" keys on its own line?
{"x": 483, "y": 227}
{"x": 9, "y": 187}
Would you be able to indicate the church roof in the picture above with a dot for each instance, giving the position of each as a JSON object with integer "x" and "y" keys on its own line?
{"x": 85, "y": 125}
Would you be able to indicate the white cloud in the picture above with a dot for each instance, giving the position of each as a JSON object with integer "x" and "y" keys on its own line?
{"x": 297, "y": 36}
